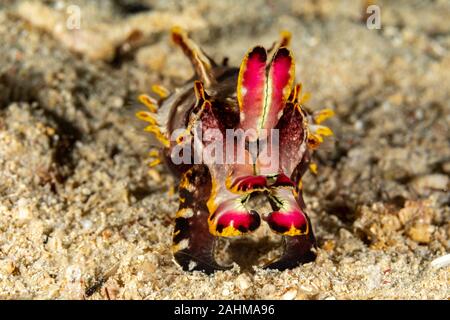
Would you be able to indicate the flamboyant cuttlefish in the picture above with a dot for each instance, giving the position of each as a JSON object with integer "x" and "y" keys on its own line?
{"x": 256, "y": 114}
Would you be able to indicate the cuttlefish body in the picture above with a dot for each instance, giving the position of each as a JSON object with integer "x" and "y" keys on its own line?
{"x": 231, "y": 134}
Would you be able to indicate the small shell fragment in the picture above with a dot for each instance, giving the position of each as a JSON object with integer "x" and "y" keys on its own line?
{"x": 441, "y": 262}
{"x": 290, "y": 294}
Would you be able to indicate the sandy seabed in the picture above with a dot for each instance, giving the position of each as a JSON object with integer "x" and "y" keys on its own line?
{"x": 77, "y": 202}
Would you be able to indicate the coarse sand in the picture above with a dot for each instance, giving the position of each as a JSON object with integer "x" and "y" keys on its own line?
{"x": 79, "y": 207}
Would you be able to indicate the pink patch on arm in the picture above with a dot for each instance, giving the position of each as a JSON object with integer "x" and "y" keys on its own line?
{"x": 249, "y": 183}
{"x": 283, "y": 181}
{"x": 242, "y": 222}
{"x": 251, "y": 87}
{"x": 283, "y": 221}
{"x": 281, "y": 78}
{"x": 232, "y": 218}
{"x": 289, "y": 219}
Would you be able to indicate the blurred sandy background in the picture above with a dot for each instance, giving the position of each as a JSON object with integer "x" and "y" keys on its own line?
{"x": 78, "y": 206}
